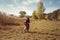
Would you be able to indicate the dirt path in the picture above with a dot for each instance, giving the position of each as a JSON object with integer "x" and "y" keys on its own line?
{"x": 28, "y": 36}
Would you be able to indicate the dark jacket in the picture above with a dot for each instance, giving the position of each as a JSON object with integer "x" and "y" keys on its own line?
{"x": 27, "y": 21}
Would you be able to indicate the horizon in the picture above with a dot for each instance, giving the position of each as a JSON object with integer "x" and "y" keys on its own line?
{"x": 14, "y": 6}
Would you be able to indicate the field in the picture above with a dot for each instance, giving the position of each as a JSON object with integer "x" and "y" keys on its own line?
{"x": 39, "y": 30}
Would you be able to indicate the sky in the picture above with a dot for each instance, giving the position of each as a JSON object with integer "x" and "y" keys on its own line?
{"x": 15, "y": 6}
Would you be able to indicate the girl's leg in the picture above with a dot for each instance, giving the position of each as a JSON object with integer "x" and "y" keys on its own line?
{"x": 27, "y": 27}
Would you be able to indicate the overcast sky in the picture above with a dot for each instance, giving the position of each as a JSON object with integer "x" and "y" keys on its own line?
{"x": 14, "y": 6}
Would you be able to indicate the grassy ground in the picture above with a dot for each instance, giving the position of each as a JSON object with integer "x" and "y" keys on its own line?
{"x": 39, "y": 30}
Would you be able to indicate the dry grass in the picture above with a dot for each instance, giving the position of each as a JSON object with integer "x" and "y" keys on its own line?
{"x": 39, "y": 30}
{"x": 9, "y": 20}
{"x": 11, "y": 28}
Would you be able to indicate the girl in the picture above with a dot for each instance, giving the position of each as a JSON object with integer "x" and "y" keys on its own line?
{"x": 27, "y": 21}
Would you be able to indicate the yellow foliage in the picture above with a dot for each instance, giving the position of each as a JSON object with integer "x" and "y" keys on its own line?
{"x": 46, "y": 16}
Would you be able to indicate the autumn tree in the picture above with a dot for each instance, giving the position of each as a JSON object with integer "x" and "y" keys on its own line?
{"x": 34, "y": 16}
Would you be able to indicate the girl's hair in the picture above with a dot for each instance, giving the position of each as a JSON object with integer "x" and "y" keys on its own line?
{"x": 27, "y": 17}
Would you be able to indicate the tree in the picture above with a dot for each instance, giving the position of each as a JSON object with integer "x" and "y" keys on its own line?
{"x": 22, "y": 13}
{"x": 11, "y": 15}
{"x": 34, "y": 16}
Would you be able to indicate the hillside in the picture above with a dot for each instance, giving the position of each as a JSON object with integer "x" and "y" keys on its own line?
{"x": 39, "y": 30}
{"x": 9, "y": 20}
